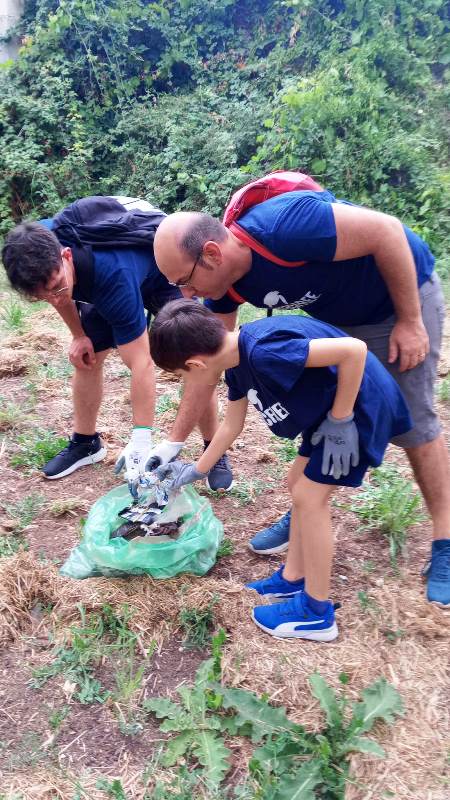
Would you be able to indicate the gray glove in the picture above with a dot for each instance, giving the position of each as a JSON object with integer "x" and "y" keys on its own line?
{"x": 179, "y": 474}
{"x": 340, "y": 447}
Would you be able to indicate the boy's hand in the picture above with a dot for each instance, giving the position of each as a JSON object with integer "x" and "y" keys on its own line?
{"x": 179, "y": 474}
{"x": 341, "y": 445}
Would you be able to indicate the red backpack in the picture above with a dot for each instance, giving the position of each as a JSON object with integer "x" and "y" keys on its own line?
{"x": 257, "y": 192}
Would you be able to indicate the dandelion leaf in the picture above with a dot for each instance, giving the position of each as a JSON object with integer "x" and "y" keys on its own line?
{"x": 380, "y": 701}
{"x": 326, "y": 696}
{"x": 264, "y": 719}
{"x": 212, "y": 754}
{"x": 301, "y": 785}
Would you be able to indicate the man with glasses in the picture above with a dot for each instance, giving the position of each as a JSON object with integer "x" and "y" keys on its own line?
{"x": 358, "y": 269}
{"x": 103, "y": 304}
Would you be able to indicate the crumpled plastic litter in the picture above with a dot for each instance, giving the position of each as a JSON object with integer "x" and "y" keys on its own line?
{"x": 194, "y": 551}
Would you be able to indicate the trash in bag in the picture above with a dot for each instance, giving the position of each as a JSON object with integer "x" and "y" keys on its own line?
{"x": 161, "y": 535}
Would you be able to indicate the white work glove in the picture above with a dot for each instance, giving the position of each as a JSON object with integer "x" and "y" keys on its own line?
{"x": 162, "y": 454}
{"x": 134, "y": 456}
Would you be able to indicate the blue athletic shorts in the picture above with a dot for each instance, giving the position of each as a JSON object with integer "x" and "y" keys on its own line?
{"x": 99, "y": 330}
{"x": 313, "y": 469}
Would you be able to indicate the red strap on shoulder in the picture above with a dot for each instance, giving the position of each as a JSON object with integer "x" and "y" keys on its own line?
{"x": 245, "y": 237}
{"x": 232, "y": 293}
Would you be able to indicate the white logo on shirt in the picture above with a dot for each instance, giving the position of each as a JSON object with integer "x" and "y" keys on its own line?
{"x": 252, "y": 396}
{"x": 273, "y": 298}
{"x": 272, "y": 414}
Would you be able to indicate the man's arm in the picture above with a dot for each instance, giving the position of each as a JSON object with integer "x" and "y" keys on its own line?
{"x": 81, "y": 351}
{"x": 360, "y": 232}
{"x": 136, "y": 356}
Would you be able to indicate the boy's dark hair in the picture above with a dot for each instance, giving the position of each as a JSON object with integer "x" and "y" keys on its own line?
{"x": 30, "y": 254}
{"x": 182, "y": 329}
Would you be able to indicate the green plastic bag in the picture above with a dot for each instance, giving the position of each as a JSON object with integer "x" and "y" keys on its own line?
{"x": 194, "y": 551}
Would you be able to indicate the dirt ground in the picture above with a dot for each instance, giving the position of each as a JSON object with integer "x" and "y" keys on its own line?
{"x": 394, "y": 633}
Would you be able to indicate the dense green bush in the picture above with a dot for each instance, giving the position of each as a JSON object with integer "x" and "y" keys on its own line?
{"x": 181, "y": 101}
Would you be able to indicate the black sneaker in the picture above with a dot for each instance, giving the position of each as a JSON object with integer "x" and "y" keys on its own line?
{"x": 74, "y": 456}
{"x": 220, "y": 475}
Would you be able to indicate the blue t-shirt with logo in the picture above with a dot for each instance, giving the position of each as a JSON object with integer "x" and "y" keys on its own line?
{"x": 293, "y": 399}
{"x": 300, "y": 226}
{"x": 121, "y": 277}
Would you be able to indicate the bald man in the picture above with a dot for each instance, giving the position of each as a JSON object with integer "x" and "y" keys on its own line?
{"x": 366, "y": 273}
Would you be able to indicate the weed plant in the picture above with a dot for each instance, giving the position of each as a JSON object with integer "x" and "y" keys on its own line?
{"x": 226, "y": 548}
{"x": 390, "y": 505}
{"x": 13, "y": 315}
{"x": 444, "y": 390}
{"x": 247, "y": 489}
{"x": 100, "y": 634}
{"x": 197, "y": 625}
{"x": 287, "y": 450}
{"x": 35, "y": 448}
{"x": 165, "y": 403}
{"x": 288, "y": 762}
{"x": 12, "y": 416}
{"x": 24, "y": 511}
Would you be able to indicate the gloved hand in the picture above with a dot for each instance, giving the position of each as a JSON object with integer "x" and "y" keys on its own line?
{"x": 179, "y": 474}
{"x": 341, "y": 445}
{"x": 160, "y": 455}
{"x": 134, "y": 456}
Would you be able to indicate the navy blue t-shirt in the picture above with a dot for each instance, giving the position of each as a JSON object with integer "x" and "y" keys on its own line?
{"x": 291, "y": 399}
{"x": 300, "y": 226}
{"x": 120, "y": 277}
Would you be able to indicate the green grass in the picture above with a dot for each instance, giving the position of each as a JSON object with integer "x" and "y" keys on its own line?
{"x": 197, "y": 625}
{"x": 165, "y": 403}
{"x": 443, "y": 391}
{"x": 13, "y": 315}
{"x": 247, "y": 489}
{"x": 12, "y": 415}
{"x": 286, "y": 449}
{"x": 54, "y": 370}
{"x": 24, "y": 511}
{"x": 35, "y": 448}
{"x": 388, "y": 503}
{"x": 226, "y": 548}
{"x": 100, "y": 635}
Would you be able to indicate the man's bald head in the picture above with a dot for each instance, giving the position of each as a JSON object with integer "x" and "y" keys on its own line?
{"x": 185, "y": 239}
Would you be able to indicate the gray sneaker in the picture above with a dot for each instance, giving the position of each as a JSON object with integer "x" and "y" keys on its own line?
{"x": 220, "y": 476}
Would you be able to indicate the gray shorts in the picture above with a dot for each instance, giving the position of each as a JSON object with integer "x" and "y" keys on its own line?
{"x": 416, "y": 384}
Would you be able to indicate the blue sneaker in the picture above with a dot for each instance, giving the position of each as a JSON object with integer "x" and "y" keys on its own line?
{"x": 295, "y": 620}
{"x": 438, "y": 573}
{"x": 277, "y": 586}
{"x": 274, "y": 539}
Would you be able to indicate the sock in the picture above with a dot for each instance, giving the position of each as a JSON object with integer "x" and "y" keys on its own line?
{"x": 294, "y": 583}
{"x": 83, "y": 438}
{"x": 318, "y": 607}
{"x": 440, "y": 544}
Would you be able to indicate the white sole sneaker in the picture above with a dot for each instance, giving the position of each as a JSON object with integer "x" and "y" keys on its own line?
{"x": 271, "y": 551}
{"x": 219, "y": 490}
{"x": 327, "y": 635}
{"x": 83, "y": 462}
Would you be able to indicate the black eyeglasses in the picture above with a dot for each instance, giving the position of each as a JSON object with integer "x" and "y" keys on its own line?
{"x": 187, "y": 282}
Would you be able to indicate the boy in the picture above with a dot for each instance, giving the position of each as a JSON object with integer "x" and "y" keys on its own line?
{"x": 304, "y": 376}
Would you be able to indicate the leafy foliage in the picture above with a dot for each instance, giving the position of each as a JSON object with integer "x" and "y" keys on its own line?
{"x": 290, "y": 763}
{"x": 181, "y": 101}
{"x": 389, "y": 504}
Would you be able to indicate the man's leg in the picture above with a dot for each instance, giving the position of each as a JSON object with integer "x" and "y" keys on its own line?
{"x": 430, "y": 464}
{"x": 87, "y": 392}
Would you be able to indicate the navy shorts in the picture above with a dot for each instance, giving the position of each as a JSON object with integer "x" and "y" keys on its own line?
{"x": 99, "y": 330}
{"x": 313, "y": 469}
